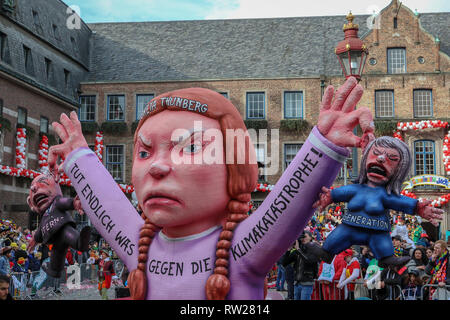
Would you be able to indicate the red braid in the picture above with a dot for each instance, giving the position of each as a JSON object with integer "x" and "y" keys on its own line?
{"x": 137, "y": 280}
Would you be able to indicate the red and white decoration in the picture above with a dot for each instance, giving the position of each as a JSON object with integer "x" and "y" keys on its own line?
{"x": 446, "y": 153}
{"x": 439, "y": 202}
{"x": 21, "y": 137}
{"x": 422, "y": 125}
{"x": 43, "y": 154}
{"x": 264, "y": 187}
{"x": 99, "y": 145}
{"x": 17, "y": 172}
{"x": 126, "y": 188}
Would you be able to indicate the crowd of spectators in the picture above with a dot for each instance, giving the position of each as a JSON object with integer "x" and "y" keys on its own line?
{"x": 355, "y": 274}
{"x": 16, "y": 260}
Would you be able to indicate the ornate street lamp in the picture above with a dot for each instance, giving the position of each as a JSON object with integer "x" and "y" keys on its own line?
{"x": 351, "y": 52}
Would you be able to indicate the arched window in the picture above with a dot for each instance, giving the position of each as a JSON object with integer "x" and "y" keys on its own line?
{"x": 424, "y": 157}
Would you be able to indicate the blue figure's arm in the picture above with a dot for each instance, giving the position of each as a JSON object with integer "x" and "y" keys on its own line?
{"x": 344, "y": 193}
{"x": 400, "y": 203}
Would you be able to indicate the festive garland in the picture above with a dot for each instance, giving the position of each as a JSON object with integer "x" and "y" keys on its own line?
{"x": 446, "y": 153}
{"x": 43, "y": 154}
{"x": 439, "y": 202}
{"x": 98, "y": 149}
{"x": 426, "y": 124}
{"x": 21, "y": 137}
{"x": 421, "y": 125}
{"x": 264, "y": 187}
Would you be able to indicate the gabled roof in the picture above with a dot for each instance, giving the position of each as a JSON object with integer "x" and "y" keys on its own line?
{"x": 228, "y": 49}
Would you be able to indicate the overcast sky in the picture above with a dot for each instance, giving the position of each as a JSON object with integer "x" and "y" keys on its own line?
{"x": 165, "y": 10}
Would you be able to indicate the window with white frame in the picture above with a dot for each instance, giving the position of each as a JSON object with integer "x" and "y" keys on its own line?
{"x": 43, "y": 127}
{"x": 87, "y": 108}
{"x": 423, "y": 103}
{"x": 293, "y": 104}
{"x": 347, "y": 170}
{"x": 384, "y": 103}
{"x": 424, "y": 157}
{"x": 22, "y": 116}
{"x": 255, "y": 105}
{"x": 396, "y": 58}
{"x": 116, "y": 108}
{"x": 141, "y": 102}
{"x": 290, "y": 151}
{"x": 115, "y": 161}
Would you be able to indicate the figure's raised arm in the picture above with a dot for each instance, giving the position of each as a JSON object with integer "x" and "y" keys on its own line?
{"x": 109, "y": 210}
{"x": 262, "y": 238}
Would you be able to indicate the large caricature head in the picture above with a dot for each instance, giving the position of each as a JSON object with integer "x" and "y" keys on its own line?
{"x": 179, "y": 170}
{"x": 43, "y": 191}
{"x": 385, "y": 162}
{"x": 190, "y": 169}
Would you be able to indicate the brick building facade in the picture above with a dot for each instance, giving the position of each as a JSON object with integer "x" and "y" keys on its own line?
{"x": 274, "y": 71}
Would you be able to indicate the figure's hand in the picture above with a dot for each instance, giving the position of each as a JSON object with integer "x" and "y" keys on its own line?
{"x": 324, "y": 199}
{"x": 338, "y": 116}
{"x": 31, "y": 243}
{"x": 69, "y": 130}
{"x": 77, "y": 205}
{"x": 426, "y": 211}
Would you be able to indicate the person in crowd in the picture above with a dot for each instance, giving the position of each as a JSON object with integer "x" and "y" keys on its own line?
{"x": 424, "y": 240}
{"x": 438, "y": 267}
{"x": 289, "y": 270}
{"x": 21, "y": 265}
{"x": 417, "y": 232}
{"x": 399, "y": 250}
{"x": 21, "y": 252}
{"x": 351, "y": 272}
{"x": 429, "y": 252}
{"x": 34, "y": 261}
{"x": 364, "y": 259}
{"x": 305, "y": 267}
{"x": 391, "y": 282}
{"x": 5, "y": 255}
{"x": 418, "y": 262}
{"x": 14, "y": 248}
{"x": 412, "y": 285}
{"x": 105, "y": 273}
{"x": 281, "y": 276}
{"x": 4, "y": 289}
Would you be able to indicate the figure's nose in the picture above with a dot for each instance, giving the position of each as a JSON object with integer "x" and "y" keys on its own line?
{"x": 33, "y": 188}
{"x": 381, "y": 158}
{"x": 159, "y": 170}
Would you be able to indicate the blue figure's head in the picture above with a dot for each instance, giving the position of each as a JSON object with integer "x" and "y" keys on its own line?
{"x": 385, "y": 162}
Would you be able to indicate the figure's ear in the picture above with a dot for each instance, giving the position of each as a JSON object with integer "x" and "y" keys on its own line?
{"x": 366, "y": 139}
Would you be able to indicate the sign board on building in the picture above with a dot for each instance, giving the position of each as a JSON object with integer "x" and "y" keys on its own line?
{"x": 427, "y": 179}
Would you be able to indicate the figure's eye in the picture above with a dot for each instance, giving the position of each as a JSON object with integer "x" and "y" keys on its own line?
{"x": 192, "y": 148}
{"x": 376, "y": 152}
{"x": 143, "y": 154}
{"x": 393, "y": 157}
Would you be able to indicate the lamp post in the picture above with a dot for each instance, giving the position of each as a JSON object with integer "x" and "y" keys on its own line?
{"x": 351, "y": 52}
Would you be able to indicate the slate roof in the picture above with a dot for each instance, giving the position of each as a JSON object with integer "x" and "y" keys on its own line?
{"x": 228, "y": 49}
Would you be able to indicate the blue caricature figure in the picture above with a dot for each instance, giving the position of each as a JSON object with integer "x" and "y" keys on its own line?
{"x": 385, "y": 164}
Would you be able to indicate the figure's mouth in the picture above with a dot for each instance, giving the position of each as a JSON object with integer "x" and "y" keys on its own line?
{"x": 160, "y": 198}
{"x": 377, "y": 169}
{"x": 40, "y": 199}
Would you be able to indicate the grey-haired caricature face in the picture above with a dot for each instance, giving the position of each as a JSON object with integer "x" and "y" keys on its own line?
{"x": 381, "y": 164}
